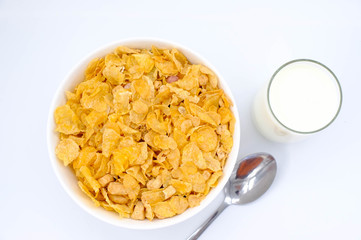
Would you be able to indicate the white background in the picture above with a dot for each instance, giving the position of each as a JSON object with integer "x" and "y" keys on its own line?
{"x": 317, "y": 192}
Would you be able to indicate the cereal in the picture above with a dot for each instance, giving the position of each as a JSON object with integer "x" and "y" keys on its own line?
{"x": 205, "y": 138}
{"x": 132, "y": 186}
{"x": 169, "y": 191}
{"x": 94, "y": 97}
{"x": 66, "y": 120}
{"x": 155, "y": 183}
{"x": 136, "y": 173}
{"x": 118, "y": 199}
{"x": 138, "y": 212}
{"x": 85, "y": 171}
{"x": 194, "y": 200}
{"x": 192, "y": 153}
{"x": 86, "y": 156}
{"x": 146, "y": 132}
{"x": 163, "y": 210}
{"x": 178, "y": 204}
{"x": 67, "y": 151}
{"x": 88, "y": 193}
{"x": 110, "y": 141}
{"x": 152, "y": 197}
{"x": 116, "y": 188}
{"x": 121, "y": 100}
{"x": 181, "y": 186}
{"x": 105, "y": 180}
{"x": 164, "y": 142}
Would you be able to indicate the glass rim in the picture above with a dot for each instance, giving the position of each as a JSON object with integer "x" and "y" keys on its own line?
{"x": 304, "y": 60}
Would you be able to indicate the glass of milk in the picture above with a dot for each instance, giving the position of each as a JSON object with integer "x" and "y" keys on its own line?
{"x": 303, "y": 97}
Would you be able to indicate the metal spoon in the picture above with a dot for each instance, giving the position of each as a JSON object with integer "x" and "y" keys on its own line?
{"x": 248, "y": 182}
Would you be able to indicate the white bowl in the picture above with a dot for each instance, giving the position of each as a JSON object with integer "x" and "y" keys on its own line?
{"x": 67, "y": 177}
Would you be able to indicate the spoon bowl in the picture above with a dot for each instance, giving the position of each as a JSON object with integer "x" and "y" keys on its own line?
{"x": 249, "y": 180}
{"x": 253, "y": 176}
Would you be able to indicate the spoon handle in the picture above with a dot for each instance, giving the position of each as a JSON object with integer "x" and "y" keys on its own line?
{"x": 197, "y": 233}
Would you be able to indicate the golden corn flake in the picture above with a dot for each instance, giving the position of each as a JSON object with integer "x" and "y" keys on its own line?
{"x": 194, "y": 200}
{"x": 181, "y": 187}
{"x": 168, "y": 192}
{"x": 110, "y": 141}
{"x": 66, "y": 120}
{"x": 118, "y": 199}
{"x": 94, "y": 97}
{"x": 192, "y": 153}
{"x": 155, "y": 124}
{"x": 206, "y": 138}
{"x": 140, "y": 107}
{"x": 145, "y": 61}
{"x": 178, "y": 204}
{"x": 136, "y": 173}
{"x": 164, "y": 142}
{"x": 138, "y": 212}
{"x": 94, "y": 67}
{"x": 103, "y": 167}
{"x": 173, "y": 158}
{"x": 120, "y": 160}
{"x": 163, "y": 210}
{"x": 86, "y": 156}
{"x": 85, "y": 171}
{"x": 67, "y": 151}
{"x": 146, "y": 132}
{"x": 202, "y": 114}
{"x": 226, "y": 115}
{"x": 114, "y": 74}
{"x": 144, "y": 87}
{"x": 132, "y": 186}
{"x": 88, "y": 193}
{"x": 95, "y": 118}
{"x": 121, "y": 99}
{"x": 155, "y": 183}
{"x": 167, "y": 68}
{"x": 149, "y": 214}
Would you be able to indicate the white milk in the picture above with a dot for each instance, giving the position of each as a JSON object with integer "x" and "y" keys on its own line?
{"x": 304, "y": 97}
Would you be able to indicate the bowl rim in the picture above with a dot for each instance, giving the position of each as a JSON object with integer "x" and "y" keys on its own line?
{"x": 155, "y": 224}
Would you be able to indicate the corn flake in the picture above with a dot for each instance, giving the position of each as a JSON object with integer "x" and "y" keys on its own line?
{"x": 152, "y": 197}
{"x": 86, "y": 156}
{"x": 139, "y": 211}
{"x": 85, "y": 171}
{"x": 114, "y": 74}
{"x": 94, "y": 97}
{"x": 181, "y": 186}
{"x": 163, "y": 210}
{"x": 67, "y": 150}
{"x": 194, "y": 200}
{"x": 178, "y": 204}
{"x": 191, "y": 153}
{"x": 66, "y": 120}
{"x": 164, "y": 142}
{"x": 205, "y": 138}
{"x": 110, "y": 141}
{"x": 121, "y": 99}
